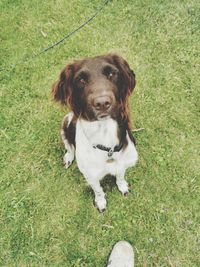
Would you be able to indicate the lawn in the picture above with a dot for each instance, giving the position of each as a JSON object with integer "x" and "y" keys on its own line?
{"x": 46, "y": 213}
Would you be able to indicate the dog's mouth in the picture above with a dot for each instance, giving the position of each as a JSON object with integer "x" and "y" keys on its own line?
{"x": 103, "y": 116}
{"x": 92, "y": 114}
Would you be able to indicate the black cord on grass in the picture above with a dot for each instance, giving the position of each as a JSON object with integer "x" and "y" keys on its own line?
{"x": 67, "y": 36}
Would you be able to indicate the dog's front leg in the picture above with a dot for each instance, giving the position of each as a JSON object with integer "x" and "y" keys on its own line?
{"x": 121, "y": 183}
{"x": 100, "y": 200}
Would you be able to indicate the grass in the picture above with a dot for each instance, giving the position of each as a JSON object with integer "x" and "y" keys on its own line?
{"x": 46, "y": 213}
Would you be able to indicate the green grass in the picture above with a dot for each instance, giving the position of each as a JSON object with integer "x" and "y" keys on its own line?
{"x": 46, "y": 213}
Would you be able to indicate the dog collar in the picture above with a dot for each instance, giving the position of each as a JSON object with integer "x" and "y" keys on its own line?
{"x": 109, "y": 149}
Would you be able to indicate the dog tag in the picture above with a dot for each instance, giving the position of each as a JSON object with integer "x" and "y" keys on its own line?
{"x": 110, "y": 160}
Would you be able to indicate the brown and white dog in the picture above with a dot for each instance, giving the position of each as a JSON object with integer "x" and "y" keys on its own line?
{"x": 97, "y": 130}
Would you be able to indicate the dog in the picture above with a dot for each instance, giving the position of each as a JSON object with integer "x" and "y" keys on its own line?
{"x": 97, "y": 130}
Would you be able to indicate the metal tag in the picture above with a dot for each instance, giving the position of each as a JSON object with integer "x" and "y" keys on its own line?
{"x": 110, "y": 160}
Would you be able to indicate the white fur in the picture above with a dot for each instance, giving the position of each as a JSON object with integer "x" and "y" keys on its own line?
{"x": 69, "y": 155}
{"x": 93, "y": 162}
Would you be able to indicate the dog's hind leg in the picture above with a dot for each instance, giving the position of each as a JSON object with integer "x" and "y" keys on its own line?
{"x": 68, "y": 138}
{"x": 69, "y": 155}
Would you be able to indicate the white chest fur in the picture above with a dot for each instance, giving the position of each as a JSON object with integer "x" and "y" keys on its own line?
{"x": 94, "y": 163}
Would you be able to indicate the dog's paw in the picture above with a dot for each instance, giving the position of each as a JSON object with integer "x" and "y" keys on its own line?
{"x": 123, "y": 187}
{"x": 100, "y": 204}
{"x": 67, "y": 159}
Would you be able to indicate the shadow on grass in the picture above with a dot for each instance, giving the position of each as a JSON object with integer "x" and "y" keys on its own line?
{"x": 108, "y": 183}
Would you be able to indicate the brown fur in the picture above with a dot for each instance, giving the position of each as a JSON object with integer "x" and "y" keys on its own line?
{"x": 82, "y": 81}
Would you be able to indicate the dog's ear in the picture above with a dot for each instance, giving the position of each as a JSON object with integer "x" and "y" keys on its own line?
{"x": 127, "y": 80}
{"x": 62, "y": 88}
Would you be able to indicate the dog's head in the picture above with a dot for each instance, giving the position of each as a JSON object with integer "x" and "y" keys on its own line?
{"x": 95, "y": 88}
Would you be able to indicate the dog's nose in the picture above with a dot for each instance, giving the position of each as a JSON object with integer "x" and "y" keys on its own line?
{"x": 102, "y": 103}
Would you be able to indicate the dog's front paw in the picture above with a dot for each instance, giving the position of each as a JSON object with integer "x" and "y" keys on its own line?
{"x": 67, "y": 159}
{"x": 100, "y": 204}
{"x": 123, "y": 187}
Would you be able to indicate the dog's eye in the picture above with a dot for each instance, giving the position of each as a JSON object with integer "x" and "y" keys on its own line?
{"x": 110, "y": 72}
{"x": 110, "y": 75}
{"x": 82, "y": 81}
{"x": 82, "y": 78}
